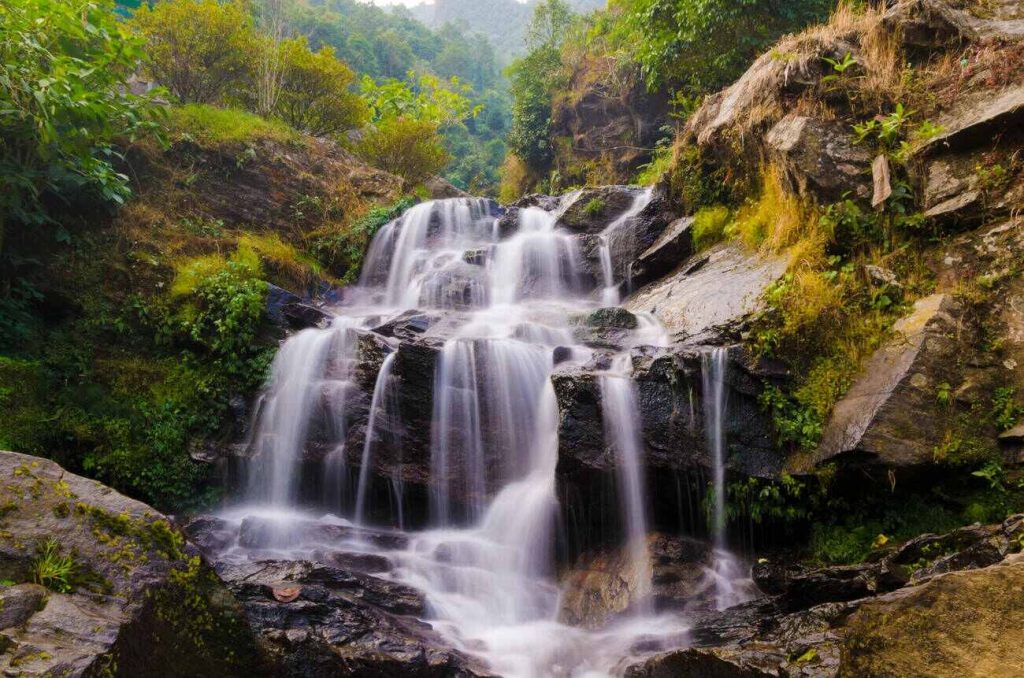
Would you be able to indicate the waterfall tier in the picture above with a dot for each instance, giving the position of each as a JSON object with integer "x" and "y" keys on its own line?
{"x": 500, "y": 311}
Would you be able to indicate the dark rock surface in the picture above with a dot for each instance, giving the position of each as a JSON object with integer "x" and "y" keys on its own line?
{"x": 819, "y": 158}
{"x": 315, "y": 620}
{"x": 672, "y": 247}
{"x": 132, "y": 601}
{"x": 895, "y": 617}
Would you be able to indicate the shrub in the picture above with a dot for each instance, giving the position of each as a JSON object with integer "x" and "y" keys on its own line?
{"x": 201, "y": 50}
{"x": 410, "y": 148}
{"x": 342, "y": 251}
{"x": 315, "y": 91}
{"x": 52, "y": 569}
{"x": 64, "y": 67}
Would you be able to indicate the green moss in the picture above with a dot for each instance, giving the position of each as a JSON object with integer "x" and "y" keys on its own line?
{"x": 212, "y": 126}
{"x": 709, "y": 225}
{"x": 594, "y": 208}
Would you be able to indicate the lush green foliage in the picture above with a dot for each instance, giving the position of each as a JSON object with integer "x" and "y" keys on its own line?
{"x": 315, "y": 91}
{"x": 341, "y": 251}
{"x": 394, "y": 45}
{"x": 52, "y": 569}
{"x": 700, "y": 45}
{"x": 64, "y": 99}
{"x": 201, "y": 50}
{"x": 534, "y": 80}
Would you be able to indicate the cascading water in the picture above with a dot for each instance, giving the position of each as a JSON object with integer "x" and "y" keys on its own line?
{"x": 609, "y": 244}
{"x": 731, "y": 587}
{"x": 487, "y": 564}
{"x": 621, "y": 418}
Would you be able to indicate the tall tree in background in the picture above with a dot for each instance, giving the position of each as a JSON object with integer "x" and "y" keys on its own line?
{"x": 534, "y": 79}
{"x": 201, "y": 50}
{"x": 699, "y": 45}
{"x": 269, "y": 71}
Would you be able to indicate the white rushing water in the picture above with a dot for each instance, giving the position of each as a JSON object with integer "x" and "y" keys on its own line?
{"x": 732, "y": 587}
{"x": 486, "y": 565}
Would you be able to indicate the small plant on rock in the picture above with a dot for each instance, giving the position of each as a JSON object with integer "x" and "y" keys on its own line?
{"x": 52, "y": 569}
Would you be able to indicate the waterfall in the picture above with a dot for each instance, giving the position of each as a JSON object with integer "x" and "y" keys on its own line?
{"x": 377, "y": 406}
{"x": 726, "y": 571}
{"x": 621, "y": 417}
{"x": 506, "y": 304}
{"x": 608, "y": 244}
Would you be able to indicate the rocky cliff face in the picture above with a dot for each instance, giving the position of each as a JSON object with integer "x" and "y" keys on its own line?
{"x": 606, "y": 125}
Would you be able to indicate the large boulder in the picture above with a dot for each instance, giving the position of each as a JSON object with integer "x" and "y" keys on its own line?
{"x": 709, "y": 298}
{"x": 955, "y": 625}
{"x": 887, "y": 416}
{"x": 124, "y": 594}
{"x": 819, "y": 159}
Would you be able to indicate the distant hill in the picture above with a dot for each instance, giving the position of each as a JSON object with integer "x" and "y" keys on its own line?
{"x": 503, "y": 22}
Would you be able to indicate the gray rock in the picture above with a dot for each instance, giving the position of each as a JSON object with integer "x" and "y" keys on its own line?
{"x": 702, "y": 306}
{"x": 301, "y": 316}
{"x": 132, "y": 594}
{"x": 885, "y": 417}
{"x": 668, "y": 251}
{"x": 439, "y": 189}
{"x": 819, "y": 158}
{"x": 18, "y": 603}
{"x": 975, "y": 117}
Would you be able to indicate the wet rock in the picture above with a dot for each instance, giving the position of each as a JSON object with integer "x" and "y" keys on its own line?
{"x": 122, "y": 605}
{"x": 301, "y": 316}
{"x": 608, "y": 328}
{"x": 671, "y": 248}
{"x": 672, "y": 416}
{"x": 341, "y": 623}
{"x": 880, "y": 418}
{"x": 593, "y": 210}
{"x": 210, "y": 535}
{"x": 819, "y": 158}
{"x": 276, "y": 301}
{"x": 267, "y": 533}
{"x": 548, "y": 203}
{"x": 712, "y": 303}
{"x": 477, "y": 257}
{"x": 603, "y": 585}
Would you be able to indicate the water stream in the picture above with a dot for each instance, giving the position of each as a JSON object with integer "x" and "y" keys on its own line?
{"x": 487, "y": 562}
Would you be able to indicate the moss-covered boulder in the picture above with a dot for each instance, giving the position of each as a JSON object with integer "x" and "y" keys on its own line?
{"x": 95, "y": 584}
{"x": 961, "y": 624}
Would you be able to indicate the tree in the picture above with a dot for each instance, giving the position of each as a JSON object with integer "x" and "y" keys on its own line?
{"x": 703, "y": 44}
{"x": 64, "y": 98}
{"x": 535, "y": 78}
{"x": 199, "y": 49}
{"x": 269, "y": 67}
{"x": 315, "y": 91}
{"x": 410, "y": 148}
